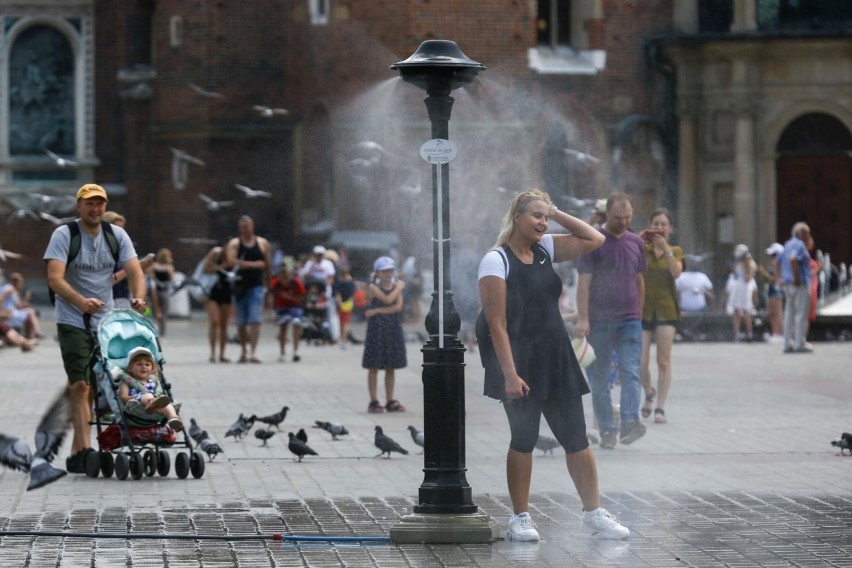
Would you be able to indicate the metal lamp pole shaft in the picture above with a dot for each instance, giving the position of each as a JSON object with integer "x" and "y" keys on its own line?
{"x": 445, "y": 488}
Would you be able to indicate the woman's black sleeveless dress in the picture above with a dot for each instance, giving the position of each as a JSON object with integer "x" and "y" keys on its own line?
{"x": 540, "y": 344}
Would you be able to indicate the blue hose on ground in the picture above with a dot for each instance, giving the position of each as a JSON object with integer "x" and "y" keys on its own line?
{"x": 225, "y": 537}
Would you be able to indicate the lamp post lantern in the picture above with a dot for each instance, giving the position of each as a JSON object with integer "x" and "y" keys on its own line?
{"x": 445, "y": 511}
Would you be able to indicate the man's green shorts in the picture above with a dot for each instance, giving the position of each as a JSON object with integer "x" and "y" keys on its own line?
{"x": 76, "y": 346}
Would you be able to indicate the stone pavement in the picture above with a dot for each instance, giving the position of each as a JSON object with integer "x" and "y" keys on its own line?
{"x": 743, "y": 474}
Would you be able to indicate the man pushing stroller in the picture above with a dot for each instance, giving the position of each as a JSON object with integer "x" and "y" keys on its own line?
{"x": 81, "y": 259}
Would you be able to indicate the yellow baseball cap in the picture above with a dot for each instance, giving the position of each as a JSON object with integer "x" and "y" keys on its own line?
{"x": 91, "y": 190}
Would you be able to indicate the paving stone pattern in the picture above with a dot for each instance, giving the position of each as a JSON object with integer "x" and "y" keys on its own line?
{"x": 743, "y": 474}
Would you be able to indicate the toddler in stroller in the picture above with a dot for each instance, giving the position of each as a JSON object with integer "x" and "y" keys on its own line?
{"x": 140, "y": 389}
{"x": 136, "y": 416}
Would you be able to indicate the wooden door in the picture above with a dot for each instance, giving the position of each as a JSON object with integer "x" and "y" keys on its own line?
{"x": 817, "y": 190}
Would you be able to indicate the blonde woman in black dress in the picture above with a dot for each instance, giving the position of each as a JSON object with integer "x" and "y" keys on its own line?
{"x": 533, "y": 370}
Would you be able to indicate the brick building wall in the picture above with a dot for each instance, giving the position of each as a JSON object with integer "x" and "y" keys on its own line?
{"x": 267, "y": 52}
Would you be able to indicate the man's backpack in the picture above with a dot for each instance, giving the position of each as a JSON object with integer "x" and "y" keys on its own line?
{"x": 74, "y": 248}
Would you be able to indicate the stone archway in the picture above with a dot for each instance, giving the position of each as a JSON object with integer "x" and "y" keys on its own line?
{"x": 814, "y": 182}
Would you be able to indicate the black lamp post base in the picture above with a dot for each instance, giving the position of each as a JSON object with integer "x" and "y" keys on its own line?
{"x": 478, "y": 528}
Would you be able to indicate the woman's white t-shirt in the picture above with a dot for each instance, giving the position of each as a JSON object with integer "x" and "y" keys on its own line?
{"x": 495, "y": 263}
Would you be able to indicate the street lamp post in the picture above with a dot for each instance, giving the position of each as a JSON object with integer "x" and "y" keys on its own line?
{"x": 445, "y": 512}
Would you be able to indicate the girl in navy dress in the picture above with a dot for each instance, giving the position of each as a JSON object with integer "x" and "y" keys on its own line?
{"x": 384, "y": 346}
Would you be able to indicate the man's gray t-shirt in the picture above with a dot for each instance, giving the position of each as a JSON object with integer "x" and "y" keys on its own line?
{"x": 90, "y": 272}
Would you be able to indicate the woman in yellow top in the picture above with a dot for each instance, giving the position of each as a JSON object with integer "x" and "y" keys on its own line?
{"x": 660, "y": 312}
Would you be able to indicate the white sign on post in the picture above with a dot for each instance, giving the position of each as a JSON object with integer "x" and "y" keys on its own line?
{"x": 438, "y": 151}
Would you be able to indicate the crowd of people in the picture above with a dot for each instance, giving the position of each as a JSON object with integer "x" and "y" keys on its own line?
{"x": 632, "y": 288}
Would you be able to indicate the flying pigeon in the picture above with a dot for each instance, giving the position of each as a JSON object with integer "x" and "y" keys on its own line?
{"x": 21, "y": 214}
{"x": 199, "y": 241}
{"x": 581, "y": 156}
{"x": 252, "y": 193}
{"x": 417, "y": 436}
{"x": 213, "y": 205}
{"x": 386, "y": 444}
{"x": 205, "y": 93}
{"x": 546, "y": 444}
{"x": 7, "y": 254}
{"x": 16, "y": 454}
{"x": 59, "y": 160}
{"x": 334, "y": 429}
{"x": 184, "y": 157}
{"x": 269, "y": 112}
{"x": 264, "y": 435}
{"x": 55, "y": 220}
{"x": 210, "y": 447}
{"x": 298, "y": 447}
{"x": 275, "y": 419}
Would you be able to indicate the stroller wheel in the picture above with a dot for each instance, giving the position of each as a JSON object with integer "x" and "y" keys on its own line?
{"x": 136, "y": 465}
{"x": 163, "y": 463}
{"x": 92, "y": 463}
{"x": 182, "y": 465}
{"x": 122, "y": 466}
{"x": 149, "y": 463}
{"x": 196, "y": 464}
{"x": 107, "y": 464}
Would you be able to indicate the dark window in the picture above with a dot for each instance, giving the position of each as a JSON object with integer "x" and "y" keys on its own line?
{"x": 41, "y": 93}
{"x": 803, "y": 14}
{"x": 554, "y": 22}
{"x": 715, "y": 16}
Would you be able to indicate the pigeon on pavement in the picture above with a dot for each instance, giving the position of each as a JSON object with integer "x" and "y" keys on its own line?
{"x": 386, "y": 444}
{"x": 298, "y": 447}
{"x": 417, "y": 436}
{"x": 334, "y": 429}
{"x": 240, "y": 427}
{"x": 275, "y": 419}
{"x": 50, "y": 432}
{"x": 264, "y": 435}
{"x": 210, "y": 447}
{"x": 194, "y": 431}
{"x": 546, "y": 444}
{"x": 302, "y": 435}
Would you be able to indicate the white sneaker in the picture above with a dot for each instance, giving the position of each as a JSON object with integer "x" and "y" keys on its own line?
{"x": 521, "y": 528}
{"x": 603, "y": 523}
{"x": 282, "y": 358}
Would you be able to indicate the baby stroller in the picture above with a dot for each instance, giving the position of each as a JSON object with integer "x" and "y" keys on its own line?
{"x": 315, "y": 325}
{"x": 131, "y": 443}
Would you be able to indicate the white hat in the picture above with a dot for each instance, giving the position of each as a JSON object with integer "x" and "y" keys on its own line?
{"x": 775, "y": 249}
{"x": 136, "y": 351}
{"x": 319, "y": 249}
{"x": 384, "y": 263}
{"x": 740, "y": 250}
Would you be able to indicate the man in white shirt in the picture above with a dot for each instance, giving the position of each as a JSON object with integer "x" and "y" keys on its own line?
{"x": 694, "y": 289}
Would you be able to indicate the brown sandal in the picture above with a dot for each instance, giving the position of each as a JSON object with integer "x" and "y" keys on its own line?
{"x": 649, "y": 400}
{"x": 660, "y": 416}
{"x": 394, "y": 406}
